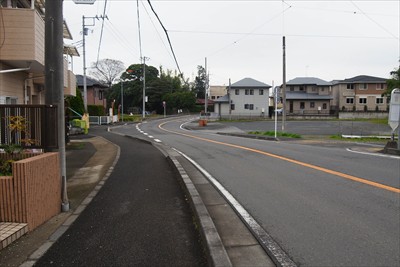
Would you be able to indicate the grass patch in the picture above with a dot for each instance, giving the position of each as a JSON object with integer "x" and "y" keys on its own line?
{"x": 76, "y": 146}
{"x": 272, "y": 133}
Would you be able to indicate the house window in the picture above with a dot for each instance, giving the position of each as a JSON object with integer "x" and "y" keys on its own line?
{"x": 314, "y": 88}
{"x": 324, "y": 106}
{"x": 101, "y": 93}
{"x": 322, "y": 89}
{"x": 246, "y": 106}
{"x": 291, "y": 88}
{"x": 237, "y": 91}
{"x": 302, "y": 105}
{"x": 213, "y": 97}
{"x": 379, "y": 100}
{"x": 251, "y": 106}
{"x": 362, "y": 100}
{"x": 246, "y": 91}
{"x": 232, "y": 106}
{"x": 363, "y": 86}
{"x": 251, "y": 91}
{"x": 349, "y": 100}
{"x": 301, "y": 88}
{"x": 261, "y": 92}
{"x": 350, "y": 86}
{"x": 380, "y": 86}
{"x": 8, "y": 100}
{"x": 312, "y": 104}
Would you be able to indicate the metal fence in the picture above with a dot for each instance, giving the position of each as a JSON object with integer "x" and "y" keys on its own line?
{"x": 31, "y": 126}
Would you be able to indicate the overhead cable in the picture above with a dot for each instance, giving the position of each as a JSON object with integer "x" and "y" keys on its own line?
{"x": 166, "y": 33}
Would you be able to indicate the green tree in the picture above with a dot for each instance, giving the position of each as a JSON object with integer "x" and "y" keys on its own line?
{"x": 394, "y": 82}
{"x": 185, "y": 100}
{"x": 200, "y": 82}
{"x": 75, "y": 103}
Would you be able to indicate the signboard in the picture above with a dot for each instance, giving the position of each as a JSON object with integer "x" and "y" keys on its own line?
{"x": 394, "y": 109}
{"x": 85, "y": 2}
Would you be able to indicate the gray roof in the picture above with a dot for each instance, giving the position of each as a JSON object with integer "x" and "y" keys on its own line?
{"x": 249, "y": 82}
{"x": 222, "y": 99}
{"x": 308, "y": 80}
{"x": 89, "y": 81}
{"x": 306, "y": 96}
{"x": 364, "y": 79}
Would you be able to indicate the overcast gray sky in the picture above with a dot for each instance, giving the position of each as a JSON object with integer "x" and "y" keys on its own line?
{"x": 324, "y": 39}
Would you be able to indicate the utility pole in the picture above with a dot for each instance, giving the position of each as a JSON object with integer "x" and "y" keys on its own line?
{"x": 229, "y": 99}
{"x": 205, "y": 89}
{"x": 84, "y": 33}
{"x": 144, "y": 87}
{"x": 54, "y": 81}
{"x": 284, "y": 86}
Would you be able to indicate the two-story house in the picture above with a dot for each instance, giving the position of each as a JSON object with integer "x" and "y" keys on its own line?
{"x": 22, "y": 53}
{"x": 361, "y": 93}
{"x": 244, "y": 98}
{"x": 308, "y": 96}
{"x": 95, "y": 91}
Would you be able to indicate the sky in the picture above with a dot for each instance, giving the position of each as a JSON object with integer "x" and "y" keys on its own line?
{"x": 330, "y": 40}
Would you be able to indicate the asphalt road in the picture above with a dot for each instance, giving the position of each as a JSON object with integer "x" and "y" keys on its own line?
{"x": 301, "y": 194}
{"x": 139, "y": 218}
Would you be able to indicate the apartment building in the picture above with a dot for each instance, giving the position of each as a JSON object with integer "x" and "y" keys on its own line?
{"x": 361, "y": 93}
{"x": 22, "y": 53}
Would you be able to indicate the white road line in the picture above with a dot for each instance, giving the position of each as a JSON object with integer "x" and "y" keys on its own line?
{"x": 373, "y": 154}
{"x": 158, "y": 140}
{"x": 263, "y": 237}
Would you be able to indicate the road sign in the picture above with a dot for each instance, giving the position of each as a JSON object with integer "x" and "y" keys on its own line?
{"x": 394, "y": 109}
{"x": 85, "y": 2}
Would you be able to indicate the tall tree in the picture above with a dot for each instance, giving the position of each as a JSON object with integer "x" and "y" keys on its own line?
{"x": 200, "y": 82}
{"x": 106, "y": 70}
{"x": 394, "y": 82}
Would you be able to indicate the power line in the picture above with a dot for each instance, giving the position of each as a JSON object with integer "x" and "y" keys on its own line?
{"x": 166, "y": 33}
{"x": 101, "y": 32}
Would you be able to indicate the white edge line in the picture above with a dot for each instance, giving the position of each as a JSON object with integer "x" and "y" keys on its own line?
{"x": 272, "y": 247}
{"x": 372, "y": 154}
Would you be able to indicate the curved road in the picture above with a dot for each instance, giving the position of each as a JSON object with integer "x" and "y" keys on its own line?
{"x": 325, "y": 206}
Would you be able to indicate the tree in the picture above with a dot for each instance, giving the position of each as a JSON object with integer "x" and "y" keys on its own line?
{"x": 106, "y": 70}
{"x": 394, "y": 82}
{"x": 75, "y": 103}
{"x": 200, "y": 82}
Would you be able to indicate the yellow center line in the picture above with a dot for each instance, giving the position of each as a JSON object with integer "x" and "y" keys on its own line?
{"x": 311, "y": 166}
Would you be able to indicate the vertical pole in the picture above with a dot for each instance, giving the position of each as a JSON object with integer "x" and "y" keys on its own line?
{"x": 229, "y": 99}
{"x": 122, "y": 100}
{"x": 284, "y": 85}
{"x": 205, "y": 88}
{"x": 84, "y": 65}
{"x": 275, "y": 106}
{"x": 144, "y": 88}
{"x": 54, "y": 81}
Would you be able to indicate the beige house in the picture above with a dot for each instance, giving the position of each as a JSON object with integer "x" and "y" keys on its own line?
{"x": 22, "y": 53}
{"x": 360, "y": 93}
{"x": 308, "y": 96}
{"x": 217, "y": 91}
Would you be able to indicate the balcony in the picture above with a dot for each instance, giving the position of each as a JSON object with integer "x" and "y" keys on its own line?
{"x": 23, "y": 39}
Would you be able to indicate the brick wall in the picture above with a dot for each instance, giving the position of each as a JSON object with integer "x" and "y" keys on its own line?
{"x": 33, "y": 194}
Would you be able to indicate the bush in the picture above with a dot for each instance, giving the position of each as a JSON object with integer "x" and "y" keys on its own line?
{"x": 96, "y": 110}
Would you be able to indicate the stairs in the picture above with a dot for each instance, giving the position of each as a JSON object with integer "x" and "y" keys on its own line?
{"x": 9, "y": 232}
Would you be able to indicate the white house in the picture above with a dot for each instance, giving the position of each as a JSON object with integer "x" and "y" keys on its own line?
{"x": 245, "y": 98}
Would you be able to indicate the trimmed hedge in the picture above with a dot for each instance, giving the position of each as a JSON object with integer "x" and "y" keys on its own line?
{"x": 96, "y": 110}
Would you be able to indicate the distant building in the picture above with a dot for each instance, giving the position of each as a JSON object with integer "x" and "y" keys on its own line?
{"x": 244, "y": 98}
{"x": 95, "y": 91}
{"x": 361, "y": 93}
{"x": 217, "y": 91}
{"x": 308, "y": 96}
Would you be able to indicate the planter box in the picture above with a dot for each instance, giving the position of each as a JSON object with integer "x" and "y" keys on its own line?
{"x": 33, "y": 194}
